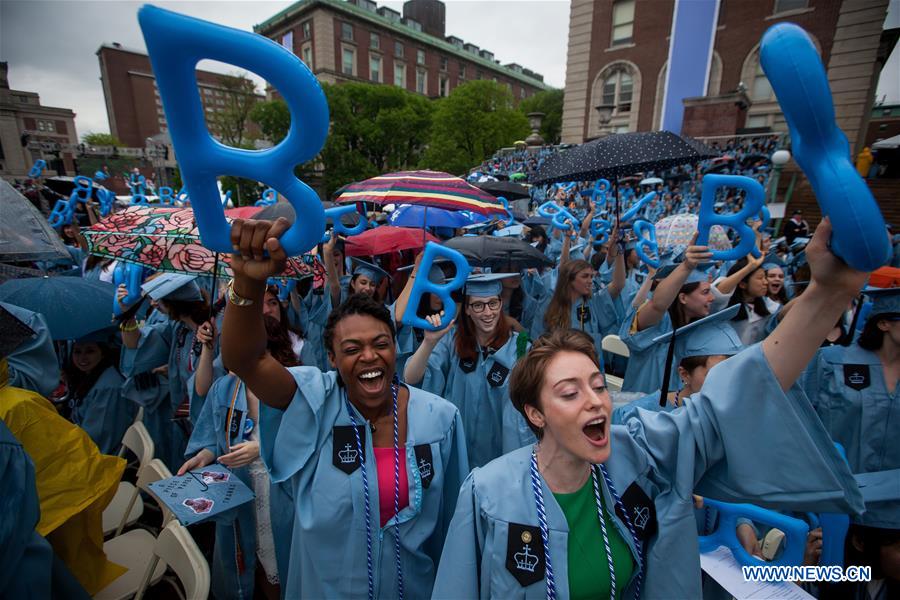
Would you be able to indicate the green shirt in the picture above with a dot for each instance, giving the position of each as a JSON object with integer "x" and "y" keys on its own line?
{"x": 588, "y": 566}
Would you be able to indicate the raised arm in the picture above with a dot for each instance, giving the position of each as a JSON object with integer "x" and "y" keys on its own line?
{"x": 414, "y": 372}
{"x": 243, "y": 329}
{"x": 618, "y": 280}
{"x": 644, "y": 290}
{"x": 403, "y": 299}
{"x": 833, "y": 285}
{"x": 333, "y": 279}
{"x": 667, "y": 290}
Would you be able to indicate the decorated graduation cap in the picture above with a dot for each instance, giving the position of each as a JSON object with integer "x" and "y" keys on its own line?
{"x": 15, "y": 332}
{"x": 486, "y": 285}
{"x": 369, "y": 270}
{"x": 884, "y": 300}
{"x": 173, "y": 286}
{"x": 709, "y": 336}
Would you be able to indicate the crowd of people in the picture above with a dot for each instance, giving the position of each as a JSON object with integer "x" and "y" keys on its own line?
{"x": 487, "y": 457}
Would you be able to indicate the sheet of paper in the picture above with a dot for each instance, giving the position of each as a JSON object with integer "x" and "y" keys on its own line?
{"x": 721, "y": 566}
{"x": 201, "y": 494}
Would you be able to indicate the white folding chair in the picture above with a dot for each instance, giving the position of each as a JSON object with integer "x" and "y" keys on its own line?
{"x": 134, "y": 549}
{"x": 126, "y": 506}
{"x": 615, "y": 345}
{"x": 176, "y": 547}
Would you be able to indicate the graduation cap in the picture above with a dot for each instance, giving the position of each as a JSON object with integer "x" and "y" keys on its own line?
{"x": 369, "y": 270}
{"x": 709, "y": 336}
{"x": 486, "y": 285}
{"x": 771, "y": 261}
{"x": 700, "y": 273}
{"x": 15, "y": 332}
{"x": 884, "y": 300}
{"x": 798, "y": 243}
{"x": 107, "y": 335}
{"x": 173, "y": 286}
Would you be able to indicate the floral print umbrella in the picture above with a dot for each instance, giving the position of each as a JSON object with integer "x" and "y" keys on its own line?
{"x": 167, "y": 239}
{"x": 675, "y": 232}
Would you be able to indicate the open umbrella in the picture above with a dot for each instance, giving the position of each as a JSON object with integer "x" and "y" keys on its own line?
{"x": 651, "y": 181}
{"x": 167, "y": 239}
{"x": 500, "y": 254}
{"x": 385, "y": 239}
{"x": 25, "y": 235}
{"x": 622, "y": 154}
{"x": 427, "y": 188}
{"x": 678, "y": 230}
{"x": 414, "y": 215}
{"x": 507, "y": 189}
{"x": 71, "y": 306}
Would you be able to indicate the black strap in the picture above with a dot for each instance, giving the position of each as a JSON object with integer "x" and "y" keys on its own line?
{"x": 667, "y": 375}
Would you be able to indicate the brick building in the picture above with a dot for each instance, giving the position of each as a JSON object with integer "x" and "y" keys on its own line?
{"x": 133, "y": 105}
{"x": 30, "y": 131}
{"x": 356, "y": 40}
{"x": 618, "y": 51}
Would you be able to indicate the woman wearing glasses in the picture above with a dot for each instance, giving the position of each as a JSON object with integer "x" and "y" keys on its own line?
{"x": 471, "y": 366}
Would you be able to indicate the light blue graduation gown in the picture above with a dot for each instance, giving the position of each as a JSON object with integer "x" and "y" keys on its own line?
{"x": 104, "y": 413}
{"x": 847, "y": 388}
{"x": 647, "y": 360}
{"x": 33, "y": 364}
{"x": 733, "y": 441}
{"x": 159, "y": 345}
{"x": 314, "y": 310}
{"x": 597, "y": 316}
{"x": 406, "y": 339}
{"x": 235, "y": 529}
{"x": 328, "y": 549}
{"x": 480, "y": 390}
{"x": 650, "y": 402}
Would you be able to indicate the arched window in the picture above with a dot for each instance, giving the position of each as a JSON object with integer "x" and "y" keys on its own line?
{"x": 618, "y": 88}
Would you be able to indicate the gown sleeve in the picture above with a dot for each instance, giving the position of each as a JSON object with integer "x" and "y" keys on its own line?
{"x": 152, "y": 350}
{"x": 743, "y": 439}
{"x": 438, "y": 368}
{"x": 33, "y": 364}
{"x": 456, "y": 469}
{"x": 204, "y": 434}
{"x": 290, "y": 438}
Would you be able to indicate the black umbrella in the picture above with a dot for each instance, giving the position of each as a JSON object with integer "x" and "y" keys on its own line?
{"x": 622, "y": 154}
{"x": 25, "y": 235}
{"x": 535, "y": 220}
{"x": 500, "y": 254}
{"x": 507, "y": 189}
{"x": 63, "y": 185}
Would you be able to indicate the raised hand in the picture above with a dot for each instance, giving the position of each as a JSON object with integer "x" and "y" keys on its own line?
{"x": 433, "y": 337}
{"x": 259, "y": 252}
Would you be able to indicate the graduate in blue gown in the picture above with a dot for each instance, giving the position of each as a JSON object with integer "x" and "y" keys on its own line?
{"x": 749, "y": 435}
{"x": 33, "y": 364}
{"x": 469, "y": 364}
{"x": 172, "y": 343}
{"x": 373, "y": 466}
{"x": 856, "y": 393}
{"x": 576, "y": 303}
{"x": 95, "y": 390}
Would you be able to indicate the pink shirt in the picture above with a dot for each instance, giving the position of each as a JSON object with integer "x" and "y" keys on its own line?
{"x": 384, "y": 461}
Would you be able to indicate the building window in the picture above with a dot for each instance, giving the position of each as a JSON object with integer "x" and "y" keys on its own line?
{"x": 443, "y": 86}
{"x": 444, "y": 63}
{"x": 347, "y": 32}
{"x": 374, "y": 41}
{"x": 306, "y": 29}
{"x": 207, "y": 91}
{"x": 420, "y": 57}
{"x": 47, "y": 126}
{"x": 462, "y": 71}
{"x": 762, "y": 90}
{"x": 398, "y": 49}
{"x": 623, "y": 22}
{"x": 617, "y": 91}
{"x": 307, "y": 55}
{"x": 375, "y": 68}
{"x": 754, "y": 121}
{"x": 521, "y": 93}
{"x": 421, "y": 80}
{"x": 400, "y": 75}
{"x": 786, "y": 5}
{"x": 348, "y": 59}
{"x": 287, "y": 40}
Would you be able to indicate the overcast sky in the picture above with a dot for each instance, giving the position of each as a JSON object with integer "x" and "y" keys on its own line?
{"x": 51, "y": 45}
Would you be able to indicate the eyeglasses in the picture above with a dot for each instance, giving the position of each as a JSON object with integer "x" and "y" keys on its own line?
{"x": 478, "y": 307}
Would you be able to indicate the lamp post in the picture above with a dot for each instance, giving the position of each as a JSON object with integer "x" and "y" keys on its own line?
{"x": 604, "y": 115}
{"x": 779, "y": 159}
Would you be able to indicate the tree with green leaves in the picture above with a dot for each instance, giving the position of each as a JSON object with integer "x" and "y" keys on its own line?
{"x": 375, "y": 129}
{"x": 549, "y": 102}
{"x": 474, "y": 121}
{"x": 231, "y": 124}
{"x": 100, "y": 139}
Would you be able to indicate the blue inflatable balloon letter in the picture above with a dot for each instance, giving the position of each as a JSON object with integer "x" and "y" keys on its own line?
{"x": 423, "y": 286}
{"x": 753, "y": 203}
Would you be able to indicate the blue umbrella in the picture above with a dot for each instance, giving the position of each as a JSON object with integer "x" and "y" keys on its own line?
{"x": 417, "y": 215}
{"x": 72, "y": 307}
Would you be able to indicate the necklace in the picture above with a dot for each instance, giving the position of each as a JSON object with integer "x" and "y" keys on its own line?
{"x": 545, "y": 532}
{"x": 362, "y": 462}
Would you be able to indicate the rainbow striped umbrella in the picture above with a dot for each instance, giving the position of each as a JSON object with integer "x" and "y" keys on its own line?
{"x": 426, "y": 188}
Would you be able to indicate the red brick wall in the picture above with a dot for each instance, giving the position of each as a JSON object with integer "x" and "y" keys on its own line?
{"x": 710, "y": 119}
